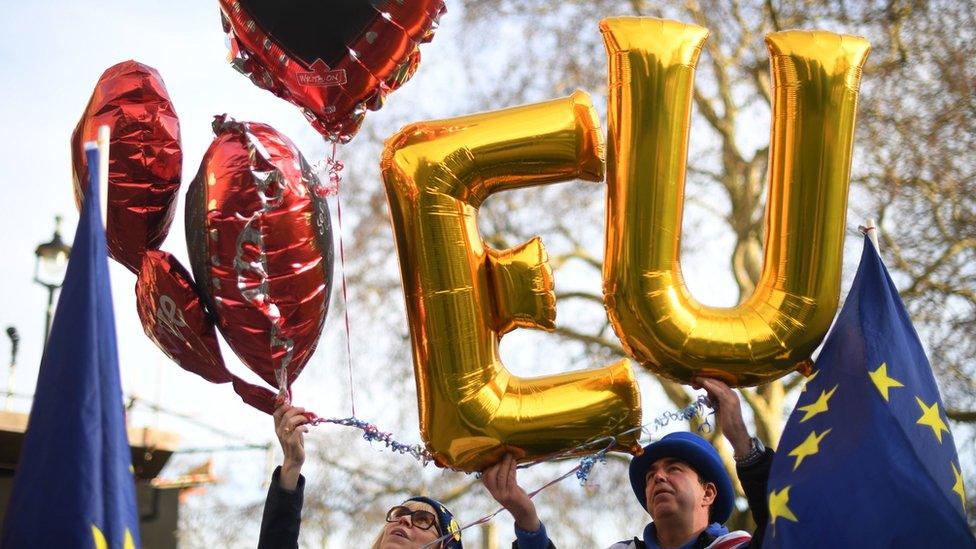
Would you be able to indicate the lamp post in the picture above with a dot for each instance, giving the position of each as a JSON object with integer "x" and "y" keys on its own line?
{"x": 14, "y": 345}
{"x": 49, "y": 269}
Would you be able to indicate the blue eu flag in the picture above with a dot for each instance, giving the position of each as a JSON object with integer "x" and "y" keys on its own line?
{"x": 74, "y": 485}
{"x": 867, "y": 458}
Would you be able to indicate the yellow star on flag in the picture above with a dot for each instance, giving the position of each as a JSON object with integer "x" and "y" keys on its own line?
{"x": 818, "y": 407}
{"x": 100, "y": 542}
{"x": 932, "y": 418}
{"x": 809, "y": 380}
{"x": 779, "y": 506}
{"x": 808, "y": 447}
{"x": 958, "y": 487}
{"x": 882, "y": 381}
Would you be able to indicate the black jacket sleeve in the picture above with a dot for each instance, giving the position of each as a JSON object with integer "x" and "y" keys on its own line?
{"x": 754, "y": 479}
{"x": 282, "y": 515}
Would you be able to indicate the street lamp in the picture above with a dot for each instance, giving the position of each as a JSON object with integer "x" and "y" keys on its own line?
{"x": 49, "y": 269}
{"x": 14, "y": 344}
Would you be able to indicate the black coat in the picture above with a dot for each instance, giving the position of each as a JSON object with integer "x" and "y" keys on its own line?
{"x": 282, "y": 515}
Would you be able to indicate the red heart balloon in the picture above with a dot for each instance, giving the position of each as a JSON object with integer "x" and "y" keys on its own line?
{"x": 260, "y": 242}
{"x": 145, "y": 158}
{"x": 173, "y": 317}
{"x": 332, "y": 59}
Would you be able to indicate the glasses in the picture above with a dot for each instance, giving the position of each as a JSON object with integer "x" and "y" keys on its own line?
{"x": 419, "y": 518}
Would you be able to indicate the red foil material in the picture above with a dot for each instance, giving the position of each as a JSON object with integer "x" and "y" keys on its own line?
{"x": 145, "y": 158}
{"x": 260, "y": 242}
{"x": 333, "y": 60}
{"x": 173, "y": 317}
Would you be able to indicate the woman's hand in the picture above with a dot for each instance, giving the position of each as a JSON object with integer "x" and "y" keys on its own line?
{"x": 501, "y": 480}
{"x": 729, "y": 413}
{"x": 290, "y": 427}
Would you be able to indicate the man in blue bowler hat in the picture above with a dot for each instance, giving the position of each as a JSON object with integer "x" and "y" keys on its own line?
{"x": 680, "y": 481}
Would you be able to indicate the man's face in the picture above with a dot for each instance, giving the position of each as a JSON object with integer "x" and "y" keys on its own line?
{"x": 674, "y": 488}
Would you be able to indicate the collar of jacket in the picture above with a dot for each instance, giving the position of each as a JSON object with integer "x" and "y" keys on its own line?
{"x": 711, "y": 532}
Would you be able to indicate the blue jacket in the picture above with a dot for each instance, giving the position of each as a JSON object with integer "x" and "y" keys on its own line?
{"x": 715, "y": 536}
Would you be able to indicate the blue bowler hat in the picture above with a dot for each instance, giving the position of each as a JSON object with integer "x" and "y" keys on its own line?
{"x": 695, "y": 451}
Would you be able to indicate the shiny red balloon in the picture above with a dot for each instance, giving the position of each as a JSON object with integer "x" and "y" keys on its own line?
{"x": 145, "y": 158}
{"x": 260, "y": 242}
{"x": 173, "y": 317}
{"x": 333, "y": 59}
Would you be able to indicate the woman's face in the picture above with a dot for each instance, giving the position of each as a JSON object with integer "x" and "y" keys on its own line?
{"x": 402, "y": 534}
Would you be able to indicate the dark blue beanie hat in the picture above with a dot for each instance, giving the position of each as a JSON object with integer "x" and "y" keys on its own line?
{"x": 445, "y": 522}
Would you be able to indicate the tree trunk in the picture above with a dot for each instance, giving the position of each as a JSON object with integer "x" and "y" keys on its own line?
{"x": 489, "y": 535}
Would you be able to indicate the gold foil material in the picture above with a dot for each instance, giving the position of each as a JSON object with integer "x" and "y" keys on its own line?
{"x": 773, "y": 331}
{"x": 462, "y": 296}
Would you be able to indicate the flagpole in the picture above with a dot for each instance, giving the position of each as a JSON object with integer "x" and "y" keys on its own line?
{"x": 104, "y": 134}
{"x": 870, "y": 229}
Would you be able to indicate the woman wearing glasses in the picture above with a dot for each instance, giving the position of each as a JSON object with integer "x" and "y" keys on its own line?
{"x": 417, "y": 522}
{"x": 410, "y": 525}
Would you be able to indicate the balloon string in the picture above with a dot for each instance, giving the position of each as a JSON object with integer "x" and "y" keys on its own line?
{"x": 371, "y": 433}
{"x": 334, "y": 168}
{"x": 345, "y": 302}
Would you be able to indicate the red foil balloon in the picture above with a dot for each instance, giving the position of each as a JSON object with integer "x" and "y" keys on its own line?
{"x": 174, "y": 318}
{"x": 145, "y": 159}
{"x": 333, "y": 59}
{"x": 260, "y": 242}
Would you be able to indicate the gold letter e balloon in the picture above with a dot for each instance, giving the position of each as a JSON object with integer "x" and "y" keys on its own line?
{"x": 462, "y": 296}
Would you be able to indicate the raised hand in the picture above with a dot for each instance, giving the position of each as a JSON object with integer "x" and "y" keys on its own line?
{"x": 729, "y": 413}
{"x": 290, "y": 427}
{"x": 501, "y": 480}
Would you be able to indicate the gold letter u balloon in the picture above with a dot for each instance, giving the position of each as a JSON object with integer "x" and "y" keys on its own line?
{"x": 462, "y": 296}
{"x": 815, "y": 86}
